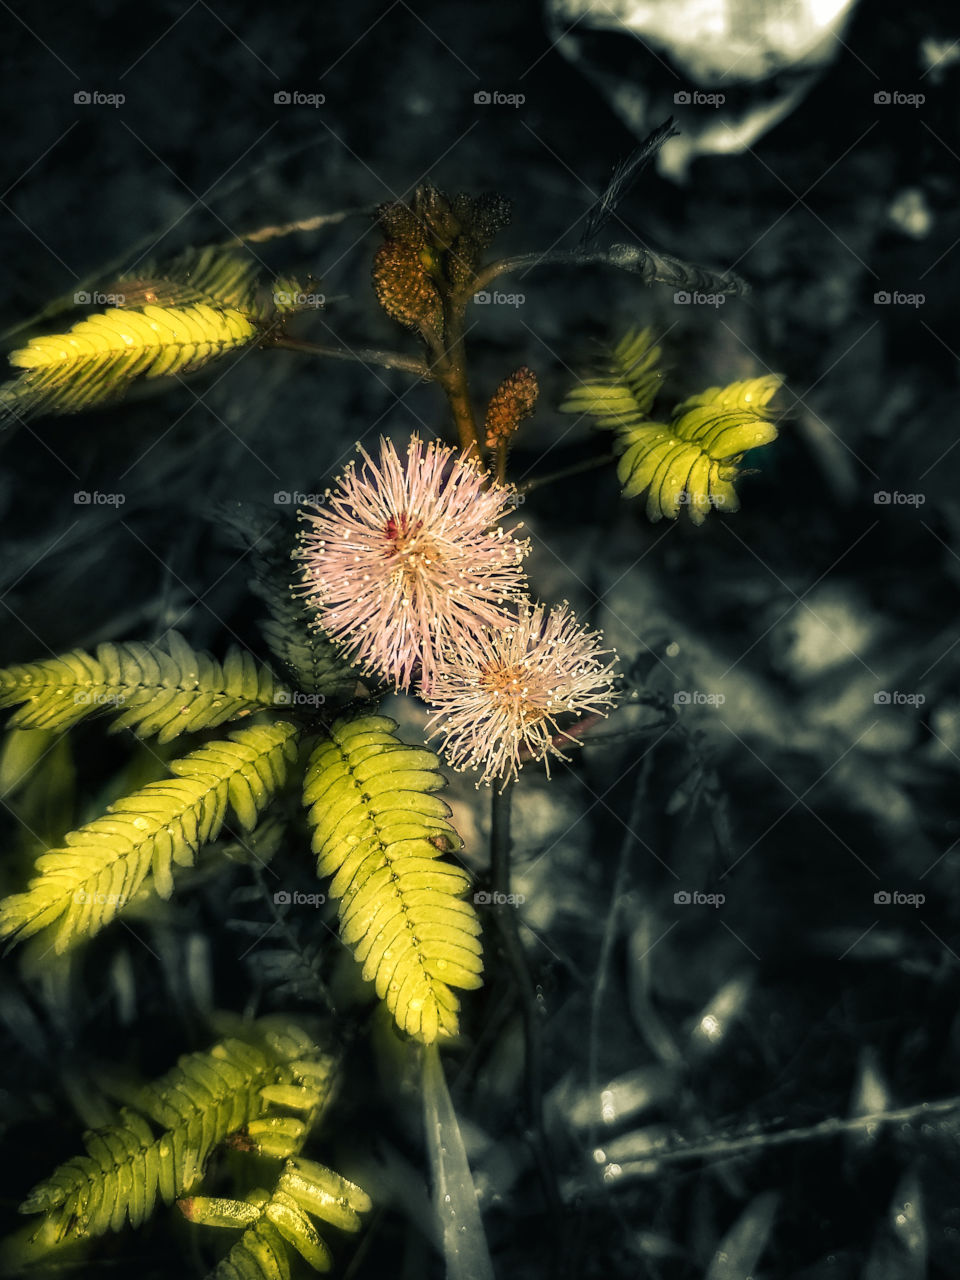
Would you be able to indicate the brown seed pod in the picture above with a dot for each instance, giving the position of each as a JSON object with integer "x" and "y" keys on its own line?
{"x": 404, "y": 288}
{"x": 514, "y": 400}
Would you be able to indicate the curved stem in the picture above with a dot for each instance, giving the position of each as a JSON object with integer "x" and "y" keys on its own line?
{"x": 361, "y": 355}
{"x": 653, "y": 268}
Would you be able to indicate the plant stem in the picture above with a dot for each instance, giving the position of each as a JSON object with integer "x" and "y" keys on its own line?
{"x": 501, "y": 462}
{"x": 590, "y": 464}
{"x": 506, "y": 921}
{"x": 653, "y": 268}
{"x": 608, "y": 941}
{"x": 450, "y": 370}
{"x": 836, "y": 1126}
{"x": 362, "y": 355}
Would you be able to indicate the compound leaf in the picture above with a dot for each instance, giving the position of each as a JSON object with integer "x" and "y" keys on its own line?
{"x": 379, "y": 830}
{"x": 82, "y": 886}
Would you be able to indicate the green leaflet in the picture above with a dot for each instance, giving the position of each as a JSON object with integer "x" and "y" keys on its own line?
{"x": 216, "y": 275}
{"x": 380, "y": 831}
{"x": 312, "y": 660}
{"x": 282, "y": 1218}
{"x": 694, "y": 460}
{"x": 84, "y": 884}
{"x": 165, "y": 319}
{"x": 622, "y": 394}
{"x": 195, "y": 1106}
{"x": 164, "y": 689}
{"x": 101, "y": 356}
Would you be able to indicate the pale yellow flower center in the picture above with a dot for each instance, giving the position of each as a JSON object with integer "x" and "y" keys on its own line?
{"x": 508, "y": 685}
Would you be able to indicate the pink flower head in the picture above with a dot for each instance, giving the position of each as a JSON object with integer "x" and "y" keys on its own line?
{"x": 403, "y": 560}
{"x": 498, "y": 702}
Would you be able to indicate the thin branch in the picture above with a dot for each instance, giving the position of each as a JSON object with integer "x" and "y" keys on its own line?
{"x": 506, "y": 921}
{"x": 624, "y": 735}
{"x": 360, "y": 355}
{"x": 591, "y": 464}
{"x": 723, "y": 1148}
{"x": 610, "y": 935}
{"x": 653, "y": 268}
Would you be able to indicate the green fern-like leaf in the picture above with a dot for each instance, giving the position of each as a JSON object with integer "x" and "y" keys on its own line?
{"x": 314, "y": 663}
{"x": 695, "y": 460}
{"x": 101, "y": 356}
{"x": 82, "y": 886}
{"x": 275, "y": 1221}
{"x": 622, "y": 394}
{"x": 379, "y": 830}
{"x": 218, "y": 276}
{"x": 164, "y": 689}
{"x": 194, "y": 1107}
{"x": 213, "y": 275}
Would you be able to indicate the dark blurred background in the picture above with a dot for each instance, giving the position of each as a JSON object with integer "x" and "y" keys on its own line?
{"x": 809, "y": 775}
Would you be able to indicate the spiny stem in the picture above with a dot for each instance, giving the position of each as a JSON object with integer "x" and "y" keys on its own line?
{"x": 361, "y": 355}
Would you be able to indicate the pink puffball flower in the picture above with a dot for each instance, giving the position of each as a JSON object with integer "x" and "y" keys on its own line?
{"x": 497, "y": 703}
{"x": 402, "y": 560}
